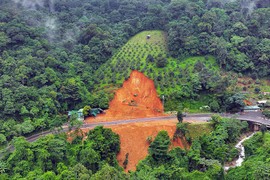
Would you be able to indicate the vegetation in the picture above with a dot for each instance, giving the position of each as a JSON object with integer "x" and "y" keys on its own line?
{"x": 256, "y": 164}
{"x": 54, "y": 157}
{"x": 266, "y": 113}
{"x": 87, "y": 111}
{"x": 198, "y": 129}
{"x": 180, "y": 116}
{"x": 181, "y": 131}
{"x": 204, "y": 159}
{"x": 56, "y": 56}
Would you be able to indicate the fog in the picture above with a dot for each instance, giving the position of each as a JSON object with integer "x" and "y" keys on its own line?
{"x": 36, "y": 4}
{"x": 47, "y": 20}
{"x": 246, "y": 5}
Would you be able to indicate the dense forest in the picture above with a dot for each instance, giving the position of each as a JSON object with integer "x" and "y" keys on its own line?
{"x": 55, "y": 157}
{"x": 50, "y": 52}
{"x": 60, "y": 55}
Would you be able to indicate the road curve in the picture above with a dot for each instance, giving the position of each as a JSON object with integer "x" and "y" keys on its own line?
{"x": 252, "y": 116}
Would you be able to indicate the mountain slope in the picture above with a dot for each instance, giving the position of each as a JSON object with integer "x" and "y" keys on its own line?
{"x": 177, "y": 78}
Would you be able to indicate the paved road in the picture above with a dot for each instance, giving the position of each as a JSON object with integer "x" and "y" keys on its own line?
{"x": 251, "y": 116}
{"x": 256, "y": 117}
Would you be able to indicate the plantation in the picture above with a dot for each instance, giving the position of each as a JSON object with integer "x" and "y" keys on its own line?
{"x": 173, "y": 77}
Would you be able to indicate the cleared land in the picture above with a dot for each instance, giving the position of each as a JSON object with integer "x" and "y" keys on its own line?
{"x": 136, "y": 99}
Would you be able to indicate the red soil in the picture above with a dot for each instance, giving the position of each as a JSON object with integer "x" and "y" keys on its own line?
{"x": 247, "y": 102}
{"x": 133, "y": 138}
{"x": 136, "y": 99}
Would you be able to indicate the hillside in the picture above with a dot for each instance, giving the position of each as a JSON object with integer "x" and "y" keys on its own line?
{"x": 136, "y": 99}
{"x": 186, "y": 82}
{"x": 57, "y": 56}
{"x": 151, "y": 57}
{"x": 173, "y": 77}
{"x": 133, "y": 138}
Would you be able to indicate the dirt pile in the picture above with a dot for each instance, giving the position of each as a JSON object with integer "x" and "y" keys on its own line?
{"x": 137, "y": 98}
{"x": 134, "y": 136}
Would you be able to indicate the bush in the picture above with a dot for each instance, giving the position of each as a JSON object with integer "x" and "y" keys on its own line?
{"x": 257, "y": 90}
{"x": 181, "y": 130}
{"x": 161, "y": 62}
{"x": 149, "y": 139}
{"x": 125, "y": 163}
{"x": 180, "y": 116}
{"x": 86, "y": 110}
{"x": 214, "y": 106}
{"x": 3, "y": 139}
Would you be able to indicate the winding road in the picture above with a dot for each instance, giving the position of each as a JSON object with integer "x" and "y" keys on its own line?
{"x": 250, "y": 116}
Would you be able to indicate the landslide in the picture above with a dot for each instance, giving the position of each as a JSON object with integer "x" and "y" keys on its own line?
{"x": 137, "y": 98}
{"x": 134, "y": 136}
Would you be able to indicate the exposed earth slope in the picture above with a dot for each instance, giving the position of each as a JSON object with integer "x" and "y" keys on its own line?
{"x": 137, "y": 98}
{"x": 134, "y": 136}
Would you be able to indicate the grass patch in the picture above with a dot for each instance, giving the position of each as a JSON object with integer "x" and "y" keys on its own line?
{"x": 191, "y": 105}
{"x": 198, "y": 129}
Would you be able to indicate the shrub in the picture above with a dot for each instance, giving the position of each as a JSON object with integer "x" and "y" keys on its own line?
{"x": 125, "y": 163}
{"x": 214, "y": 106}
{"x": 257, "y": 90}
{"x": 86, "y": 110}
{"x": 3, "y": 139}
{"x": 161, "y": 62}
{"x": 180, "y": 116}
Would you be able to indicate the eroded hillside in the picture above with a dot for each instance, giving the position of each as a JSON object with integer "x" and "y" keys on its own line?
{"x": 137, "y": 98}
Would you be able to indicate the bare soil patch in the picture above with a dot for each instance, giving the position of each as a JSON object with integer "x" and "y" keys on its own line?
{"x": 136, "y": 99}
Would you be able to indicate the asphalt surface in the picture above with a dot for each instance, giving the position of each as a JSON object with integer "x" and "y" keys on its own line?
{"x": 250, "y": 116}
{"x": 256, "y": 117}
